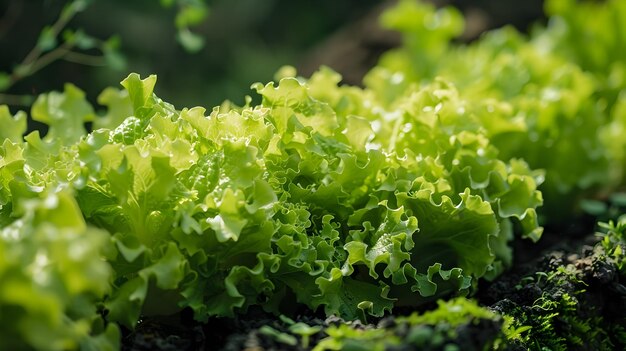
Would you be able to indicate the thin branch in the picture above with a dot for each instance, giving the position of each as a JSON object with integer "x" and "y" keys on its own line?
{"x": 56, "y": 28}
{"x": 65, "y": 52}
{"x": 48, "y": 58}
{"x": 37, "y": 59}
{"x": 84, "y": 59}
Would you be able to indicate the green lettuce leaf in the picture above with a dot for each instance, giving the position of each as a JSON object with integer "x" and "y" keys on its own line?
{"x": 53, "y": 276}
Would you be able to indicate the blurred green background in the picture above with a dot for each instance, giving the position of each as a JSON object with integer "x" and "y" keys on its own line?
{"x": 245, "y": 41}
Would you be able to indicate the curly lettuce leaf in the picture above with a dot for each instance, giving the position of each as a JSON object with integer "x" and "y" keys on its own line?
{"x": 13, "y": 126}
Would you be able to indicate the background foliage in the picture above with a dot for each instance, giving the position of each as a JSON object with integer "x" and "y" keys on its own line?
{"x": 244, "y": 41}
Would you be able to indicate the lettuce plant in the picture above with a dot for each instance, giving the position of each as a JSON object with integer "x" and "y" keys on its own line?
{"x": 53, "y": 277}
{"x": 550, "y": 104}
{"x": 350, "y": 207}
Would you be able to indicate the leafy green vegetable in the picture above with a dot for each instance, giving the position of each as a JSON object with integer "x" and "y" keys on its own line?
{"x": 53, "y": 275}
{"x": 351, "y": 212}
{"x": 344, "y": 199}
{"x": 544, "y": 106}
